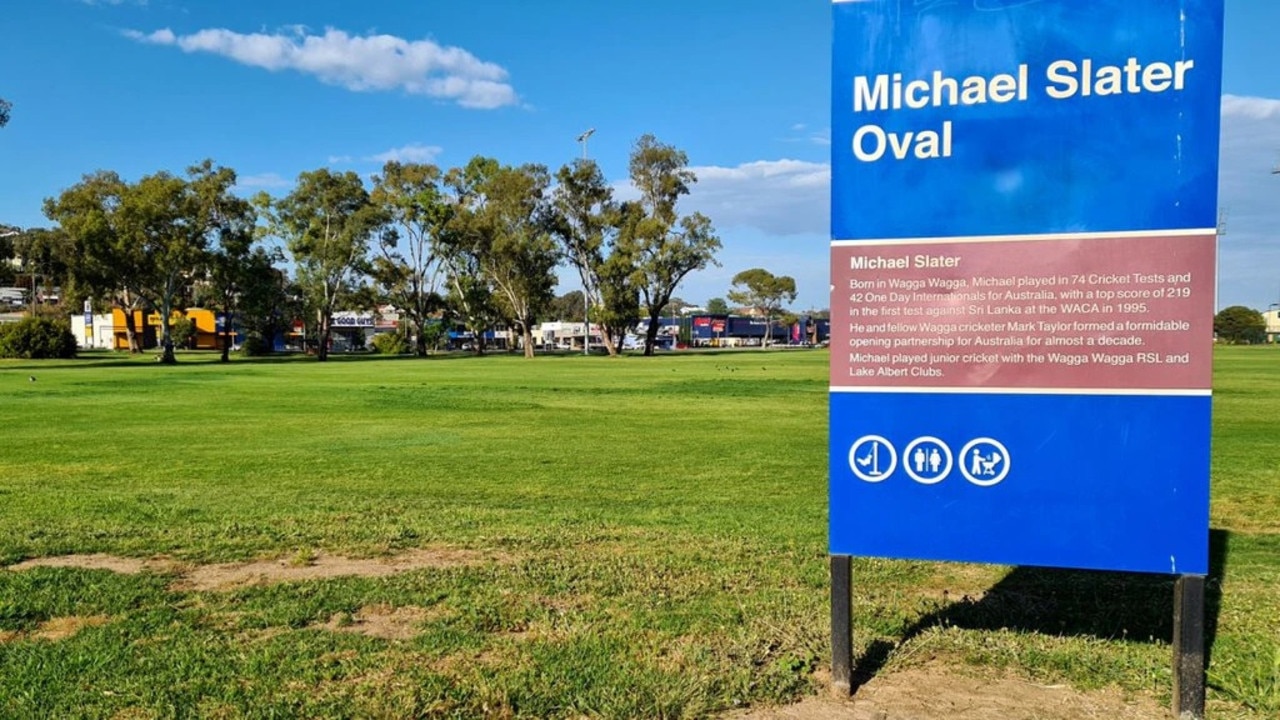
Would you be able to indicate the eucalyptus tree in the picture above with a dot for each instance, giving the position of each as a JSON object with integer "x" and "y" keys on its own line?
{"x": 230, "y": 222}
{"x": 327, "y": 223}
{"x": 139, "y": 244}
{"x": 765, "y": 293}
{"x": 584, "y": 221}
{"x": 161, "y": 219}
{"x": 104, "y": 263}
{"x": 665, "y": 245}
{"x": 409, "y": 261}
{"x": 501, "y": 226}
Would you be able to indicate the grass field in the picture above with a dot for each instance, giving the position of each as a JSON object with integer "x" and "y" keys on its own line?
{"x": 621, "y": 538}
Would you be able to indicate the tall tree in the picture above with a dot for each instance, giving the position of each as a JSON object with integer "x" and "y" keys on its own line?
{"x": 665, "y": 245}
{"x": 717, "y": 306}
{"x": 327, "y": 223}
{"x": 408, "y": 265}
{"x": 502, "y": 224}
{"x": 161, "y": 218}
{"x": 106, "y": 263}
{"x": 584, "y": 220}
{"x": 231, "y": 223}
{"x": 765, "y": 293}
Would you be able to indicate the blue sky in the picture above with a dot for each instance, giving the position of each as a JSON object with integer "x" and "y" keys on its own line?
{"x": 275, "y": 88}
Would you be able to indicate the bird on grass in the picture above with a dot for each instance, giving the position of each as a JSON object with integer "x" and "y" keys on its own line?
{"x": 31, "y": 378}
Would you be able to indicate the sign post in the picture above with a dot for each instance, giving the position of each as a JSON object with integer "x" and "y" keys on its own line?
{"x": 1023, "y": 272}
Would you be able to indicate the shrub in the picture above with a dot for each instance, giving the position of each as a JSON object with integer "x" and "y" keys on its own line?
{"x": 37, "y": 338}
{"x": 255, "y": 345}
{"x": 183, "y": 332}
{"x": 393, "y": 343}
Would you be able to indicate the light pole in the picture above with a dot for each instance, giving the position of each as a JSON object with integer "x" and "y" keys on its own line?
{"x": 583, "y": 139}
{"x": 586, "y": 289}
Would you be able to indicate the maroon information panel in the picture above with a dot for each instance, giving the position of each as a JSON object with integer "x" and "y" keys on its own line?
{"x": 1123, "y": 311}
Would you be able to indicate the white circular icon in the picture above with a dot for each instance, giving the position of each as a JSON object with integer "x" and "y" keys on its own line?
{"x": 927, "y": 460}
{"x": 984, "y": 462}
{"x": 873, "y": 458}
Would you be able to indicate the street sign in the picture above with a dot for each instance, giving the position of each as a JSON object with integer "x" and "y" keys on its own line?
{"x": 1023, "y": 265}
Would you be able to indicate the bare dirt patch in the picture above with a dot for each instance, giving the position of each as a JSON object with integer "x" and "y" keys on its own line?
{"x": 55, "y": 629}
{"x": 230, "y": 576}
{"x": 122, "y": 565}
{"x": 935, "y": 692}
{"x": 382, "y": 621}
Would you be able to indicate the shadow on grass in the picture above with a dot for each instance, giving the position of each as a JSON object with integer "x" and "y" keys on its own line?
{"x": 201, "y": 358}
{"x": 1051, "y": 601}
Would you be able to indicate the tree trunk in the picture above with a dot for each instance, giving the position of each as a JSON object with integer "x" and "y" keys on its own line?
{"x": 420, "y": 342}
{"x": 130, "y": 329}
{"x": 606, "y": 336}
{"x": 526, "y": 337}
{"x": 325, "y": 335}
{"x": 226, "y": 332}
{"x": 166, "y": 340}
{"x": 651, "y": 333}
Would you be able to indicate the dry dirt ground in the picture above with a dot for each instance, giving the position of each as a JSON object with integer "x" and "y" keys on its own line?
{"x": 936, "y": 692}
{"x": 229, "y": 576}
{"x": 932, "y": 691}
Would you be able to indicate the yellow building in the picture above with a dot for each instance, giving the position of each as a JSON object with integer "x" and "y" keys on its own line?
{"x": 147, "y": 327}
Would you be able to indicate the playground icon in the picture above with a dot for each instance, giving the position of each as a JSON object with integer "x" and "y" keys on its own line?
{"x": 873, "y": 458}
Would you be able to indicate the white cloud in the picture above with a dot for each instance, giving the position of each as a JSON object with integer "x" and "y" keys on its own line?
{"x": 1250, "y": 107}
{"x": 263, "y": 180}
{"x": 779, "y": 197}
{"x": 804, "y": 135}
{"x": 359, "y": 63}
{"x": 411, "y": 153}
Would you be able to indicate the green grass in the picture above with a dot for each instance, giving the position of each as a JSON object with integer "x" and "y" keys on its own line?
{"x": 661, "y": 524}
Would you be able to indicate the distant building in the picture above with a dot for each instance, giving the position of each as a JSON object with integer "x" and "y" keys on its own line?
{"x": 1273, "y": 324}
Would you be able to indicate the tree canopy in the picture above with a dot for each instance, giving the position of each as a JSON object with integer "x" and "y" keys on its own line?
{"x": 327, "y": 223}
{"x": 1240, "y": 324}
{"x": 664, "y": 246}
{"x": 476, "y": 245}
{"x": 501, "y": 224}
{"x": 765, "y": 293}
{"x": 408, "y": 263}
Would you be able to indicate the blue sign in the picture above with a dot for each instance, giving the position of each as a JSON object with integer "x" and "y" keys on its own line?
{"x": 991, "y": 402}
{"x": 978, "y": 117}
